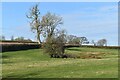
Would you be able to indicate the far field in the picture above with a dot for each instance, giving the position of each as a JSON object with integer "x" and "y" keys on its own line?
{"x": 35, "y": 63}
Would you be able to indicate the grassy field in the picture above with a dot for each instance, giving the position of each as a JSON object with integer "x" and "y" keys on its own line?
{"x": 36, "y": 64}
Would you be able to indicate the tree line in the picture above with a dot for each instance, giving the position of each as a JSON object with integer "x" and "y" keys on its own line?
{"x": 2, "y": 38}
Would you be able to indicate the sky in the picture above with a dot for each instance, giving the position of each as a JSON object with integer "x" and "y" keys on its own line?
{"x": 94, "y": 20}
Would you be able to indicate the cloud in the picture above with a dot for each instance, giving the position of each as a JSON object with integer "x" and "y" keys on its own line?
{"x": 102, "y": 23}
{"x": 109, "y": 8}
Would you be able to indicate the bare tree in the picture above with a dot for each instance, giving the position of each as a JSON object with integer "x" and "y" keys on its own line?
{"x": 50, "y": 22}
{"x": 34, "y": 16}
{"x": 102, "y": 42}
{"x": 19, "y": 39}
{"x": 2, "y": 37}
{"x": 93, "y": 42}
{"x": 55, "y": 38}
{"x": 12, "y": 38}
{"x": 71, "y": 39}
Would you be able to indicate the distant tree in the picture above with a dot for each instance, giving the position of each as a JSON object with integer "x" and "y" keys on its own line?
{"x": 2, "y": 37}
{"x": 62, "y": 34}
{"x": 50, "y": 22}
{"x": 84, "y": 40}
{"x": 34, "y": 16}
{"x": 22, "y": 39}
{"x": 29, "y": 40}
{"x": 102, "y": 42}
{"x": 71, "y": 39}
{"x": 93, "y": 42}
{"x": 19, "y": 39}
{"x": 77, "y": 40}
{"x": 12, "y": 38}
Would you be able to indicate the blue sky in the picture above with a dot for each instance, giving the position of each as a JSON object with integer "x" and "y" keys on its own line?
{"x": 94, "y": 20}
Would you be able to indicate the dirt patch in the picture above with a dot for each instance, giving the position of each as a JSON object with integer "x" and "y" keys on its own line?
{"x": 96, "y": 55}
{"x": 85, "y": 55}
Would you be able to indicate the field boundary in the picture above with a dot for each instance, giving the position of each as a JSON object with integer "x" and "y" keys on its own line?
{"x": 18, "y": 47}
{"x": 77, "y": 45}
{"x": 23, "y": 45}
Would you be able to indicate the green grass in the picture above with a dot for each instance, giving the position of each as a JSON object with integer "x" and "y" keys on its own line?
{"x": 36, "y": 64}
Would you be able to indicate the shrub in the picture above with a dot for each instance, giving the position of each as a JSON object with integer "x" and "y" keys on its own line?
{"x": 54, "y": 44}
{"x": 54, "y": 47}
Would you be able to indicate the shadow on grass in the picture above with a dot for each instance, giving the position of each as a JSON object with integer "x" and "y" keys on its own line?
{"x": 73, "y": 49}
{"x": 60, "y": 79}
{"x": 4, "y": 56}
{"x": 5, "y": 62}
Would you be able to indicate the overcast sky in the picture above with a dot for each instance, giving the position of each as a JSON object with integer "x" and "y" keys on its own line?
{"x": 94, "y": 20}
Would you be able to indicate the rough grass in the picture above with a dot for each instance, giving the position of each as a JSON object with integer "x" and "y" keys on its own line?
{"x": 36, "y": 64}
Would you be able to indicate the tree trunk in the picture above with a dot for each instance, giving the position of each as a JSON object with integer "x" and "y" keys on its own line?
{"x": 38, "y": 38}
